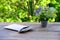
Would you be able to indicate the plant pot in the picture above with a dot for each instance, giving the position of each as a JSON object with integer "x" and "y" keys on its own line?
{"x": 44, "y": 24}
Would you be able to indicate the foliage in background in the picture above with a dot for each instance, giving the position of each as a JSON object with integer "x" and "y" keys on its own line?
{"x": 23, "y": 10}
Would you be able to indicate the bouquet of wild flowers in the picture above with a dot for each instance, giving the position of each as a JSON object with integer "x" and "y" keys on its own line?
{"x": 46, "y": 13}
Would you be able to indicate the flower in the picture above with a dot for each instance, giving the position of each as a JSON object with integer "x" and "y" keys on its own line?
{"x": 37, "y": 11}
{"x": 46, "y": 13}
{"x": 39, "y": 8}
{"x": 45, "y": 8}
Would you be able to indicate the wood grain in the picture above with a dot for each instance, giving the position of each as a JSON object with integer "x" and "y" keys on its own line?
{"x": 38, "y": 33}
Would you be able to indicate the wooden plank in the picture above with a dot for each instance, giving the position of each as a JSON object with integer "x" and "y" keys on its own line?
{"x": 37, "y": 34}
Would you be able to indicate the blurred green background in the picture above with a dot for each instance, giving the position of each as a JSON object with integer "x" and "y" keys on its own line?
{"x": 23, "y": 10}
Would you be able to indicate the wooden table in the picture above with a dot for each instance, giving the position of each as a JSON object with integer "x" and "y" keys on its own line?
{"x": 38, "y": 33}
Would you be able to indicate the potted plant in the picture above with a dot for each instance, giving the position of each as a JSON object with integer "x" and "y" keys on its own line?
{"x": 45, "y": 14}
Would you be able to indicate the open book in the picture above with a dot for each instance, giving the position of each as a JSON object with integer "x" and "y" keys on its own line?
{"x": 17, "y": 27}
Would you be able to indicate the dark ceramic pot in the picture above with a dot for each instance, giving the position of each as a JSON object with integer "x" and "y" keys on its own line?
{"x": 44, "y": 24}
